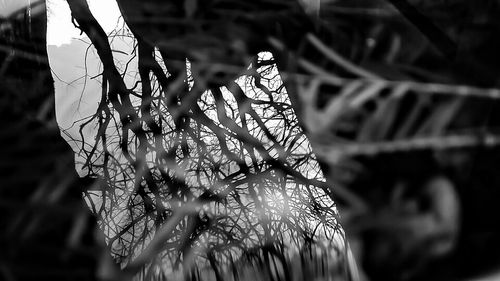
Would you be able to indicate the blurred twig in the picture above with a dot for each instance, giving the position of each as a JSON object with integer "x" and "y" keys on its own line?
{"x": 23, "y": 54}
{"x": 415, "y": 143}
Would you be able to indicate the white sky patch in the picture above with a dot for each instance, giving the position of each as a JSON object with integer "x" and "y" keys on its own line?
{"x": 75, "y": 65}
{"x": 61, "y": 31}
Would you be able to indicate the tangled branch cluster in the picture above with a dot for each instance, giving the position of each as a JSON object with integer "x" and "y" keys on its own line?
{"x": 197, "y": 182}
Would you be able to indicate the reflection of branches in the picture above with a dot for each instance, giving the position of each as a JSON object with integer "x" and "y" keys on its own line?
{"x": 201, "y": 178}
{"x": 225, "y": 177}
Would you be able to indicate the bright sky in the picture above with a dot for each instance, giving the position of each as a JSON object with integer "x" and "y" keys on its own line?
{"x": 61, "y": 31}
{"x": 76, "y": 67}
